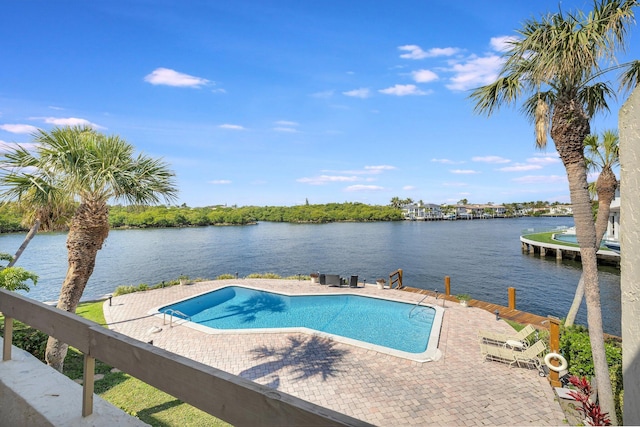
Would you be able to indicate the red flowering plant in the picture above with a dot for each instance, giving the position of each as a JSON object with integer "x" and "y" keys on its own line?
{"x": 591, "y": 410}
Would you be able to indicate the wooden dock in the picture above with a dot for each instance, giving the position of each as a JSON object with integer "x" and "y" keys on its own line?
{"x": 506, "y": 313}
{"x": 518, "y": 316}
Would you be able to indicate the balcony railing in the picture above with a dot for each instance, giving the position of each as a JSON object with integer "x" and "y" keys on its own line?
{"x": 228, "y": 397}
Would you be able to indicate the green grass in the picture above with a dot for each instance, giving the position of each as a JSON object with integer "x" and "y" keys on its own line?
{"x": 548, "y": 238}
{"x": 133, "y": 396}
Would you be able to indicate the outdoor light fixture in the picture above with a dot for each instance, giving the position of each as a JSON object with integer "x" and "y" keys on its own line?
{"x": 497, "y": 314}
{"x": 110, "y": 300}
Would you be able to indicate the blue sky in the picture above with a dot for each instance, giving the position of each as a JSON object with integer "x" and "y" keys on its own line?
{"x": 278, "y": 102}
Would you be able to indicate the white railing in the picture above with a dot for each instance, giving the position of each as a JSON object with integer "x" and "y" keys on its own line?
{"x": 228, "y": 397}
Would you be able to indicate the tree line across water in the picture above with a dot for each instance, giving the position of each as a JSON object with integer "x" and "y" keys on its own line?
{"x": 11, "y": 218}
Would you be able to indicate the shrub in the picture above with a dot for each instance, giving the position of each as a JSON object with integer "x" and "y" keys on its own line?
{"x": 226, "y": 276}
{"x": 264, "y": 276}
{"x": 123, "y": 290}
{"x": 576, "y": 348}
{"x": 29, "y": 339}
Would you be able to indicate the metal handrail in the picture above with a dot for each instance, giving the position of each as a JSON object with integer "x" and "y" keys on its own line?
{"x": 171, "y": 312}
{"x": 418, "y": 303}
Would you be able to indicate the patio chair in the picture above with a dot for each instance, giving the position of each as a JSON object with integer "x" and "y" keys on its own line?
{"x": 512, "y": 356}
{"x": 517, "y": 339}
{"x": 353, "y": 283}
{"x": 333, "y": 279}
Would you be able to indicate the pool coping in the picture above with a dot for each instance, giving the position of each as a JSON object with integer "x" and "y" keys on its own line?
{"x": 432, "y": 353}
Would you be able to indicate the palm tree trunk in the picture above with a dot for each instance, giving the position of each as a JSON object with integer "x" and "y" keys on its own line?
{"x": 586, "y": 234}
{"x": 89, "y": 228}
{"x": 27, "y": 239}
{"x": 606, "y": 189}
{"x": 569, "y": 127}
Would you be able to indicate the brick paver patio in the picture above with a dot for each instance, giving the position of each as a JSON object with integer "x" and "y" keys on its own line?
{"x": 457, "y": 389}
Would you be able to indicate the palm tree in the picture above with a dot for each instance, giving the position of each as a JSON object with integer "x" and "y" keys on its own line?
{"x": 82, "y": 167}
{"x": 601, "y": 156}
{"x": 557, "y": 62}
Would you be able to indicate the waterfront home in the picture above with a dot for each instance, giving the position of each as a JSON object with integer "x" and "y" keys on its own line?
{"x": 613, "y": 228}
{"x": 420, "y": 211}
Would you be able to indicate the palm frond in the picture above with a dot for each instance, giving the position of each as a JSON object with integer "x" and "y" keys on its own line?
{"x": 542, "y": 121}
{"x": 594, "y": 97}
{"x": 631, "y": 76}
{"x": 504, "y": 90}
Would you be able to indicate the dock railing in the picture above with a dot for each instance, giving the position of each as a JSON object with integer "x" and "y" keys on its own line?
{"x": 221, "y": 394}
{"x": 396, "y": 278}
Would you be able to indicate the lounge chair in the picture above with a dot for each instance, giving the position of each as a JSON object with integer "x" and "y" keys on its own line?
{"x": 528, "y": 356}
{"x": 517, "y": 339}
{"x": 333, "y": 279}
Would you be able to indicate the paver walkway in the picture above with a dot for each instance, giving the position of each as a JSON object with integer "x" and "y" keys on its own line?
{"x": 458, "y": 389}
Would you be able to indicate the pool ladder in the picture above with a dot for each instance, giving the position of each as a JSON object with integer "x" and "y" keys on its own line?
{"x": 418, "y": 303}
{"x": 173, "y": 313}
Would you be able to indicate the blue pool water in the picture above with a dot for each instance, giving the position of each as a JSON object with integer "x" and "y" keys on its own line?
{"x": 396, "y": 325}
{"x": 567, "y": 238}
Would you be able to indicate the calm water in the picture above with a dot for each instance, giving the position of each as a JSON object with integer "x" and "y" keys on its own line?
{"x": 482, "y": 257}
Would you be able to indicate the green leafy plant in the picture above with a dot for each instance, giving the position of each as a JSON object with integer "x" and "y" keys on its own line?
{"x": 264, "y": 276}
{"x": 575, "y": 346}
{"x": 463, "y": 297}
{"x": 15, "y": 278}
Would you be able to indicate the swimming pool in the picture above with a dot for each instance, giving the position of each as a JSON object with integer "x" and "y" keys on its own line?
{"x": 567, "y": 238}
{"x": 388, "y": 326}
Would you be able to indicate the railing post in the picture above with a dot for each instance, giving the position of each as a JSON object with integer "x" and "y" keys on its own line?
{"x": 554, "y": 347}
{"x": 8, "y": 338}
{"x": 447, "y": 285}
{"x": 512, "y": 298}
{"x": 87, "y": 385}
{"x": 400, "y": 278}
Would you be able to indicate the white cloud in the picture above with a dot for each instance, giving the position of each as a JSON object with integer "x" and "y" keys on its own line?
{"x": 168, "y": 77}
{"x": 490, "y": 159}
{"x": 379, "y": 168}
{"x": 18, "y": 128}
{"x": 502, "y": 43}
{"x": 463, "y": 171}
{"x": 424, "y": 76}
{"x": 5, "y": 147}
{"x": 544, "y": 160}
{"x": 474, "y": 72}
{"x": 220, "y": 182}
{"x": 232, "y": 127}
{"x": 358, "y": 93}
{"x": 285, "y": 129}
{"x": 403, "y": 90}
{"x": 326, "y": 179}
{"x": 416, "y": 52}
{"x": 219, "y": 90}
{"x": 446, "y": 161}
{"x": 541, "y": 179}
{"x": 70, "y": 121}
{"x": 409, "y": 187}
{"x": 520, "y": 168}
{"x": 286, "y": 123}
{"x": 360, "y": 187}
{"x": 324, "y": 94}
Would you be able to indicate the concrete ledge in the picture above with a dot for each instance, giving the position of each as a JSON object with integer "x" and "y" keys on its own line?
{"x": 34, "y": 394}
